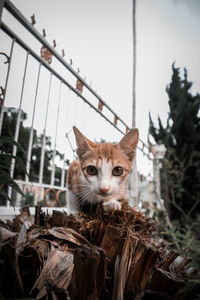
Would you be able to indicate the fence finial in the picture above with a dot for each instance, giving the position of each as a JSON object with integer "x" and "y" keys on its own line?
{"x": 115, "y": 119}
{"x": 54, "y": 43}
{"x": 63, "y": 52}
{"x": 33, "y": 22}
{"x": 44, "y": 32}
{"x": 79, "y": 86}
{"x": 46, "y": 54}
{"x": 100, "y": 105}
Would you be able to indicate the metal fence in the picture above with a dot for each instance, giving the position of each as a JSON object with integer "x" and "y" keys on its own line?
{"x": 40, "y": 83}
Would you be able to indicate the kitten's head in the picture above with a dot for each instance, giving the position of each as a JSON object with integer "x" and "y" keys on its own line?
{"x": 106, "y": 166}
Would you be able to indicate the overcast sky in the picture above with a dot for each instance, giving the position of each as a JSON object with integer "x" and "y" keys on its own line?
{"x": 97, "y": 35}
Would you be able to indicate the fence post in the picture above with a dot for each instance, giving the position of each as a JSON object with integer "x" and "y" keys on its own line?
{"x": 157, "y": 188}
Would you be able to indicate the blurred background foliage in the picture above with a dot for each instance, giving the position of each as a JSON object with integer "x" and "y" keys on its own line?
{"x": 6, "y": 147}
{"x": 180, "y": 172}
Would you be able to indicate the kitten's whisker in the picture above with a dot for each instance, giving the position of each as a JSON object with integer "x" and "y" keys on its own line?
{"x": 84, "y": 197}
{"x": 83, "y": 192}
{"x": 90, "y": 200}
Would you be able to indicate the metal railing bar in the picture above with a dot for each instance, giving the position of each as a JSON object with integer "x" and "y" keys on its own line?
{"x": 41, "y": 185}
{"x": 44, "y": 134}
{"x": 14, "y": 151}
{"x": 30, "y": 143}
{"x": 17, "y": 14}
{"x": 65, "y": 139}
{"x": 1, "y": 8}
{"x": 6, "y": 84}
{"x": 55, "y": 141}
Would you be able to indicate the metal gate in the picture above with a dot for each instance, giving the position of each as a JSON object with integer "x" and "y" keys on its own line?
{"x": 48, "y": 90}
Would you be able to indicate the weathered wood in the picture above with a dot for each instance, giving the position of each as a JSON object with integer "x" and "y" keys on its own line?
{"x": 179, "y": 264}
{"x": 142, "y": 269}
{"x": 22, "y": 237}
{"x": 38, "y": 249}
{"x": 19, "y": 246}
{"x": 172, "y": 255}
{"x": 53, "y": 235}
{"x": 10, "y": 285}
{"x": 67, "y": 234}
{"x": 55, "y": 293}
{"x": 152, "y": 295}
{"x": 122, "y": 267}
{"x": 181, "y": 267}
{"x": 84, "y": 278}
{"x": 58, "y": 218}
{"x": 19, "y": 221}
{"x": 101, "y": 273}
{"x": 111, "y": 241}
{"x": 58, "y": 269}
{"x": 163, "y": 281}
{"x": 37, "y": 214}
{"x": 25, "y": 209}
{"x": 6, "y": 234}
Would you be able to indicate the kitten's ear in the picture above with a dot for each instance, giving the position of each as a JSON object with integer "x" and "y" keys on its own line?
{"x": 129, "y": 142}
{"x": 82, "y": 142}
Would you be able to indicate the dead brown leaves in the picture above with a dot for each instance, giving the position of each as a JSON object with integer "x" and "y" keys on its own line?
{"x": 91, "y": 256}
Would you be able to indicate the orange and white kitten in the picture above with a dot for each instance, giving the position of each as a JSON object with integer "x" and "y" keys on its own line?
{"x": 100, "y": 175}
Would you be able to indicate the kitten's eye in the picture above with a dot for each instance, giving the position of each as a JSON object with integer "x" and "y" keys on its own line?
{"x": 91, "y": 170}
{"x": 117, "y": 171}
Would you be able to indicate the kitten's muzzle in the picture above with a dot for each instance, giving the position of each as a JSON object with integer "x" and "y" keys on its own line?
{"x": 103, "y": 191}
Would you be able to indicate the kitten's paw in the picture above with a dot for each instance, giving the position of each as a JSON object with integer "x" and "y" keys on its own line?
{"x": 112, "y": 205}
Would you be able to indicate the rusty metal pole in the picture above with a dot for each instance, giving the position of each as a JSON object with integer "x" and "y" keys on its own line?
{"x": 133, "y": 175}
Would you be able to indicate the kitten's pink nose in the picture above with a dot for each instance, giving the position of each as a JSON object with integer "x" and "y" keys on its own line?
{"x": 103, "y": 190}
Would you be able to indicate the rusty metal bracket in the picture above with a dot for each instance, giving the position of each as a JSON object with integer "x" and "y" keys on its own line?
{"x": 46, "y": 54}
{"x": 7, "y": 57}
{"x": 54, "y": 43}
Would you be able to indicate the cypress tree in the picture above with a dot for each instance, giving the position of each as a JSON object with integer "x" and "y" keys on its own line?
{"x": 180, "y": 175}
